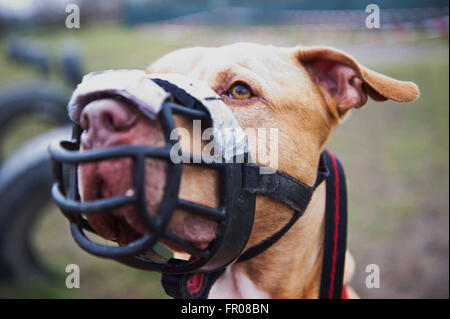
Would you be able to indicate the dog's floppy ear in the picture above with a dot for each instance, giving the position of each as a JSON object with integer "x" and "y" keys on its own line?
{"x": 348, "y": 83}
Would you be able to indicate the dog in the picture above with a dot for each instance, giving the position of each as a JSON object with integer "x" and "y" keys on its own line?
{"x": 303, "y": 92}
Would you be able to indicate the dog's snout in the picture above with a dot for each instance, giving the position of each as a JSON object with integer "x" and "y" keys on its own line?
{"x": 108, "y": 114}
{"x": 102, "y": 119}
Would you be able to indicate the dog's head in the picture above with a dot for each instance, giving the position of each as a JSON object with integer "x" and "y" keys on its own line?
{"x": 303, "y": 93}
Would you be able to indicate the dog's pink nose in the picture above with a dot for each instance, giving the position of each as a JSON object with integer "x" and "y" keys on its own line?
{"x": 103, "y": 120}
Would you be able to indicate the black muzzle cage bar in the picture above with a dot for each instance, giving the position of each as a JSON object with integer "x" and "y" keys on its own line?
{"x": 234, "y": 215}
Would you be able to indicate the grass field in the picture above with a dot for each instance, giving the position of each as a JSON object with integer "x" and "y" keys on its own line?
{"x": 395, "y": 156}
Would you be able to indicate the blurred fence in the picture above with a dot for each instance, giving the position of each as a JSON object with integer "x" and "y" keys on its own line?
{"x": 429, "y": 19}
{"x": 403, "y": 25}
{"x": 270, "y": 12}
{"x": 342, "y": 19}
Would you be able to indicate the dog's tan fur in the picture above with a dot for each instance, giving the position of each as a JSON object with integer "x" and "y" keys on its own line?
{"x": 305, "y": 112}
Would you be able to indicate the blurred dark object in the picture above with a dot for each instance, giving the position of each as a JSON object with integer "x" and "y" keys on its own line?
{"x": 70, "y": 62}
{"x": 40, "y": 99}
{"x": 35, "y": 54}
{"x": 28, "y": 52}
{"x": 44, "y": 99}
{"x": 24, "y": 193}
{"x": 25, "y": 176}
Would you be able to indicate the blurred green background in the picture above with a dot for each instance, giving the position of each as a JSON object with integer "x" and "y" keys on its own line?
{"x": 395, "y": 155}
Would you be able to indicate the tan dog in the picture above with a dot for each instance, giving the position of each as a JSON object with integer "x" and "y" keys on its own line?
{"x": 304, "y": 93}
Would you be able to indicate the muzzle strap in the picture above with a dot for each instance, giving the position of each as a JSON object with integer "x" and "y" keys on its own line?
{"x": 282, "y": 187}
{"x": 266, "y": 243}
{"x": 278, "y": 186}
{"x": 285, "y": 189}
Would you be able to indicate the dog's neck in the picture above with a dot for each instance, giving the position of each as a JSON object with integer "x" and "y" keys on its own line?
{"x": 291, "y": 268}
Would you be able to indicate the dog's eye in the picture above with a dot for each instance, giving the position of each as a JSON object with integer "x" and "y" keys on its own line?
{"x": 240, "y": 91}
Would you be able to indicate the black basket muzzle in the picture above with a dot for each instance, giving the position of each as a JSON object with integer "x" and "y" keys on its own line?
{"x": 234, "y": 215}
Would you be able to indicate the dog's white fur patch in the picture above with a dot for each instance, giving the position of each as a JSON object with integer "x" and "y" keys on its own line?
{"x": 234, "y": 284}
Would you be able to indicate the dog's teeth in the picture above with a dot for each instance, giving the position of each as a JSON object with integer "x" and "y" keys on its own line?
{"x": 129, "y": 192}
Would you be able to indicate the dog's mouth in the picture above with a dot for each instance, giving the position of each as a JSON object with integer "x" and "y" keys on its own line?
{"x": 122, "y": 224}
{"x": 117, "y": 225}
{"x": 111, "y": 178}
